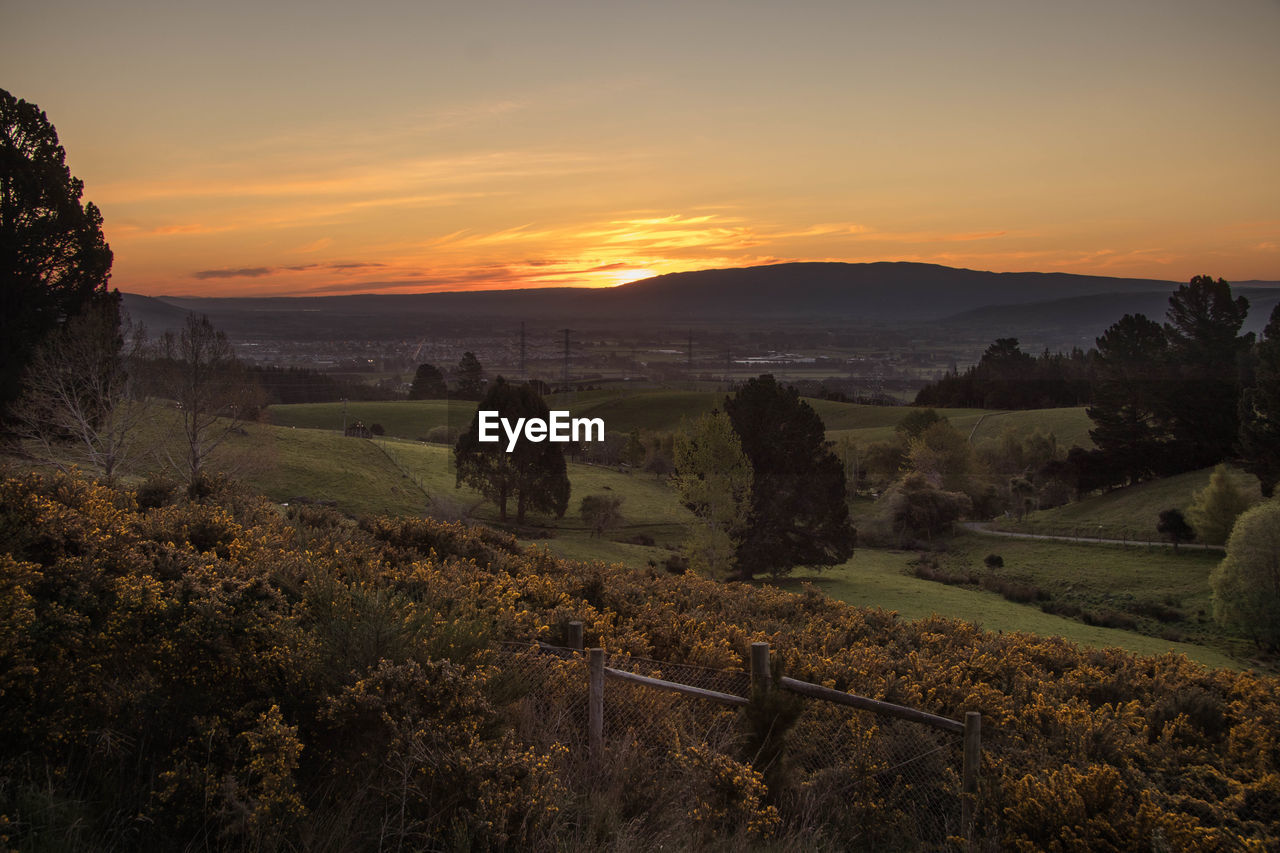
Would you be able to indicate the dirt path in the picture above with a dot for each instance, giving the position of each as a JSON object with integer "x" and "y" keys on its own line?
{"x": 985, "y": 529}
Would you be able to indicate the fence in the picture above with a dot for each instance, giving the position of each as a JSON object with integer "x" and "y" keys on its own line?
{"x": 874, "y": 773}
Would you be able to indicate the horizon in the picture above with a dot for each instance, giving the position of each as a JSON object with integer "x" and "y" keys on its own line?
{"x": 307, "y": 150}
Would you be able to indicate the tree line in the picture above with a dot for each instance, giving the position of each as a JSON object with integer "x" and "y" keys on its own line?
{"x": 1164, "y": 398}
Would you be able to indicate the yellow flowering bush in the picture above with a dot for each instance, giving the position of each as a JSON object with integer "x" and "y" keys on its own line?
{"x": 219, "y": 673}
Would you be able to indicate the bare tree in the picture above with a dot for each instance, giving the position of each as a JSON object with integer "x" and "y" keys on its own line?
{"x": 198, "y": 370}
{"x": 80, "y": 403}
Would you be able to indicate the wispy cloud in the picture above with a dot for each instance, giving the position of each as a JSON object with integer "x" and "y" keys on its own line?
{"x": 259, "y": 272}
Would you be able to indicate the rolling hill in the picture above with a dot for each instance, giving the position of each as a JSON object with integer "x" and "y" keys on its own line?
{"x": 849, "y": 293}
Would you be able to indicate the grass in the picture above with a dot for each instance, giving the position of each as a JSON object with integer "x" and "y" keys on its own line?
{"x": 1131, "y": 512}
{"x": 880, "y": 579}
{"x": 624, "y": 410}
{"x": 319, "y": 465}
{"x": 399, "y": 476}
{"x": 1070, "y": 426}
{"x": 403, "y": 418}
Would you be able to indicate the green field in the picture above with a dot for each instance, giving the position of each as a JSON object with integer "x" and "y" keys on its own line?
{"x": 403, "y": 418}
{"x": 879, "y": 579}
{"x": 623, "y": 411}
{"x": 398, "y": 475}
{"x": 1128, "y": 513}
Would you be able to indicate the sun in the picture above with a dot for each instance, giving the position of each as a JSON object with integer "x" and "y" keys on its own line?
{"x": 625, "y": 275}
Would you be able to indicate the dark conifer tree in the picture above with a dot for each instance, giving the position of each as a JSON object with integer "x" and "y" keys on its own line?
{"x": 1210, "y": 354}
{"x": 798, "y": 510}
{"x": 469, "y": 384}
{"x": 54, "y": 260}
{"x": 1128, "y": 396}
{"x": 533, "y": 473}
{"x": 1260, "y": 411}
{"x": 428, "y": 384}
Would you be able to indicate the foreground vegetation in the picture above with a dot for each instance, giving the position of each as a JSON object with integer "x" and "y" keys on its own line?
{"x": 217, "y": 674}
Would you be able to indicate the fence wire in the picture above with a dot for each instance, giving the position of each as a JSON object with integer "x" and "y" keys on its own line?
{"x": 871, "y": 781}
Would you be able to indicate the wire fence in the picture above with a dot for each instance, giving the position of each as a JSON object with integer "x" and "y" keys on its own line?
{"x": 867, "y": 779}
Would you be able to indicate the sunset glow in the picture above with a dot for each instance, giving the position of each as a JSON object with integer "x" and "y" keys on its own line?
{"x": 404, "y": 148}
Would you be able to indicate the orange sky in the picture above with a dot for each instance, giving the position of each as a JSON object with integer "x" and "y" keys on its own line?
{"x": 317, "y": 148}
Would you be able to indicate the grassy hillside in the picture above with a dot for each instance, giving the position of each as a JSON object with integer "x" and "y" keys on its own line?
{"x": 404, "y": 418}
{"x": 624, "y": 410}
{"x": 1131, "y": 512}
{"x": 412, "y": 478}
{"x": 881, "y": 579}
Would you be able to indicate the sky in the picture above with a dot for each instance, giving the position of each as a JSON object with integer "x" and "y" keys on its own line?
{"x": 311, "y": 148}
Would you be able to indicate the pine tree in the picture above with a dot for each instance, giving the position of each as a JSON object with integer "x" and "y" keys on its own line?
{"x": 1260, "y": 411}
{"x": 1209, "y": 352}
{"x": 470, "y": 378}
{"x": 533, "y": 473}
{"x": 798, "y": 510}
{"x": 428, "y": 384}
{"x": 54, "y": 260}
{"x": 1128, "y": 396}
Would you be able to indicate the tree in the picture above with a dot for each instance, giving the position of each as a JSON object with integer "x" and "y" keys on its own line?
{"x": 916, "y": 508}
{"x": 944, "y": 456}
{"x": 917, "y": 421}
{"x": 1260, "y": 411}
{"x": 798, "y": 511}
{"x": 54, "y": 260}
{"x": 601, "y": 512}
{"x": 469, "y": 384}
{"x": 81, "y": 400}
{"x": 713, "y": 477}
{"x": 428, "y": 384}
{"x": 1173, "y": 524}
{"x": 1246, "y": 584}
{"x": 533, "y": 472}
{"x": 1129, "y": 396}
{"x": 1217, "y": 507}
{"x": 198, "y": 370}
{"x": 1209, "y": 353}
{"x": 634, "y": 452}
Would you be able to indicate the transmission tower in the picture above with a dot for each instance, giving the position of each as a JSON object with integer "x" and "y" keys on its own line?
{"x": 565, "y": 380}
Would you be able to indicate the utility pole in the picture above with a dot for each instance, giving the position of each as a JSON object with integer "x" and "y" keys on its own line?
{"x": 693, "y": 384}
{"x": 344, "y": 415}
{"x": 565, "y": 379}
{"x": 523, "y": 373}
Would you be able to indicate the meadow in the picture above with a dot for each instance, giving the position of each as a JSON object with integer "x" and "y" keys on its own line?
{"x": 1129, "y": 513}
{"x": 395, "y": 475}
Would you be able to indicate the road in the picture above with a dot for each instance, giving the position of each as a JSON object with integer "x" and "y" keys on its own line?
{"x": 984, "y": 528}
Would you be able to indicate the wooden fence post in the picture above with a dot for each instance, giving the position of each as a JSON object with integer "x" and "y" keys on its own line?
{"x": 575, "y": 635}
{"x": 761, "y": 678}
{"x": 969, "y": 777}
{"x": 595, "y": 706}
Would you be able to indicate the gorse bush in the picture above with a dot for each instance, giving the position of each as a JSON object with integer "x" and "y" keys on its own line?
{"x": 218, "y": 674}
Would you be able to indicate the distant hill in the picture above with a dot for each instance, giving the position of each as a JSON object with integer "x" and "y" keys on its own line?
{"x": 885, "y": 292}
{"x": 1091, "y": 315}
{"x": 157, "y": 315}
{"x": 856, "y": 294}
{"x": 853, "y": 293}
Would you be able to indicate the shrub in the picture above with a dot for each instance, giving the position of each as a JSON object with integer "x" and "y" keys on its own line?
{"x": 993, "y": 561}
{"x": 1246, "y": 584}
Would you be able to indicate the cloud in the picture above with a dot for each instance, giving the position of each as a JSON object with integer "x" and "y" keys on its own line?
{"x": 258, "y": 272}
{"x": 243, "y": 272}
